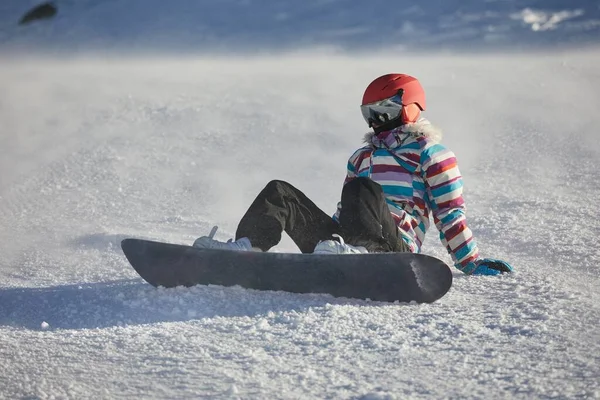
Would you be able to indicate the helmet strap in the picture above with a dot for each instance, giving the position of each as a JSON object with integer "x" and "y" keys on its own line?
{"x": 388, "y": 126}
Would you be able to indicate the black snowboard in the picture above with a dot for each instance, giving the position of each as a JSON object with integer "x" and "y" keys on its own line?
{"x": 402, "y": 277}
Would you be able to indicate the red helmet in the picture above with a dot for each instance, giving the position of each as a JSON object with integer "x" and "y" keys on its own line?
{"x": 392, "y": 100}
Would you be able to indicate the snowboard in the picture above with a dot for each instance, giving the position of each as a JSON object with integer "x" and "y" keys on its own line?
{"x": 388, "y": 277}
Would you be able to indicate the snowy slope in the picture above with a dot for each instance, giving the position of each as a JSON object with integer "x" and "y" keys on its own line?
{"x": 97, "y": 147}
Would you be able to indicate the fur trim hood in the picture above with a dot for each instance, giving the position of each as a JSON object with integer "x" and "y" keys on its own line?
{"x": 397, "y": 136}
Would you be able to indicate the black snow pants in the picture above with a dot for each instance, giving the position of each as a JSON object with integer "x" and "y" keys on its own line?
{"x": 364, "y": 220}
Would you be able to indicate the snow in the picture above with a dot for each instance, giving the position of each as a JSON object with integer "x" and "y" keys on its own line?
{"x": 101, "y": 145}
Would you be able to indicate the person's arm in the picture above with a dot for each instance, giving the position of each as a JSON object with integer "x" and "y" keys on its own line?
{"x": 445, "y": 191}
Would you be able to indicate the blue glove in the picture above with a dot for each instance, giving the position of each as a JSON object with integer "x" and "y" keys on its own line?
{"x": 488, "y": 266}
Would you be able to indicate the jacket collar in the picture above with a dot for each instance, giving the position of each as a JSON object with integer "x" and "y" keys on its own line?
{"x": 403, "y": 134}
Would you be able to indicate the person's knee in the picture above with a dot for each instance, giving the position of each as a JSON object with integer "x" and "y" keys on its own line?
{"x": 277, "y": 186}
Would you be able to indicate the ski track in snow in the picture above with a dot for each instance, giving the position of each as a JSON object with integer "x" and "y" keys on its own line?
{"x": 164, "y": 148}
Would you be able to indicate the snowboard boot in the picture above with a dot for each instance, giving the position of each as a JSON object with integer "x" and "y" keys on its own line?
{"x": 337, "y": 247}
{"x": 207, "y": 242}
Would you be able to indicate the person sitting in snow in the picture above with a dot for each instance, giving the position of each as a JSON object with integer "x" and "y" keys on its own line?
{"x": 394, "y": 184}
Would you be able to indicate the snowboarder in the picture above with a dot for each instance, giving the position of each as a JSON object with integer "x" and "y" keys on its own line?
{"x": 394, "y": 184}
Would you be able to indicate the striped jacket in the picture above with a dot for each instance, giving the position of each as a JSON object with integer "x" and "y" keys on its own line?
{"x": 419, "y": 177}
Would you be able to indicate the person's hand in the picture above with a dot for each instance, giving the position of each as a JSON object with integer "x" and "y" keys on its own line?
{"x": 490, "y": 266}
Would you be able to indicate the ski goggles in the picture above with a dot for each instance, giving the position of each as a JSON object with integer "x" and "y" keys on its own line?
{"x": 383, "y": 111}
